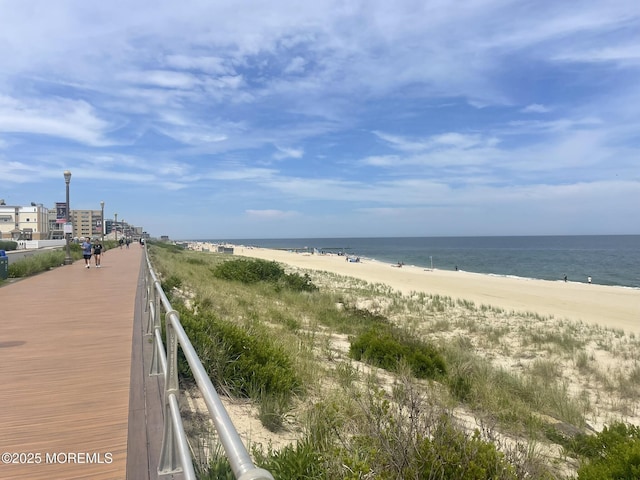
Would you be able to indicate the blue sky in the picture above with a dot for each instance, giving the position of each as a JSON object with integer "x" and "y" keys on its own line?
{"x": 268, "y": 119}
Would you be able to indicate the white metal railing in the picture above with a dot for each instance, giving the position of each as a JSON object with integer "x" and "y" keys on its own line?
{"x": 175, "y": 455}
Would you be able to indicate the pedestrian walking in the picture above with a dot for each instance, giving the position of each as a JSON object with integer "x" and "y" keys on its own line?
{"x": 97, "y": 253}
{"x": 86, "y": 252}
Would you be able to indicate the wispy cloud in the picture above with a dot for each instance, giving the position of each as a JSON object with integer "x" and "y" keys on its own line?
{"x": 74, "y": 120}
{"x": 270, "y": 214}
{"x": 536, "y": 108}
{"x": 284, "y": 152}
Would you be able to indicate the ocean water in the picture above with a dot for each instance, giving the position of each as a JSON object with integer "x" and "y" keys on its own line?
{"x": 608, "y": 259}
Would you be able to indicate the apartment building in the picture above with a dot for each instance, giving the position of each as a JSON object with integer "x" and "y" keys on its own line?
{"x": 86, "y": 223}
{"x": 39, "y": 223}
{"x": 24, "y": 223}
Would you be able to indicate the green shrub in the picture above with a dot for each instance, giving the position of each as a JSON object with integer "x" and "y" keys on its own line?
{"x": 169, "y": 284}
{"x": 453, "y": 454}
{"x": 195, "y": 261}
{"x": 169, "y": 247}
{"x": 8, "y": 245}
{"x": 299, "y": 283}
{"x": 301, "y": 460}
{"x": 386, "y": 348}
{"x": 218, "y": 469}
{"x": 613, "y": 454}
{"x": 407, "y": 438}
{"x": 461, "y": 386}
{"x": 353, "y": 319}
{"x": 248, "y": 363}
{"x": 37, "y": 263}
{"x": 251, "y": 271}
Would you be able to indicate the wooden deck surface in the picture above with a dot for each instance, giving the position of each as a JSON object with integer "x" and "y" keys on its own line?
{"x": 65, "y": 366}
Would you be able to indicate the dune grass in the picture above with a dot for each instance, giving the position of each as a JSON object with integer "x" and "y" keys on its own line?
{"x": 513, "y": 387}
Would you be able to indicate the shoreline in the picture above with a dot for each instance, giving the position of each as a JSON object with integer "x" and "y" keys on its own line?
{"x": 615, "y": 307}
{"x": 604, "y": 258}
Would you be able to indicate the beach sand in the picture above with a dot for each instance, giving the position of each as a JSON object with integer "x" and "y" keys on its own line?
{"x": 607, "y": 306}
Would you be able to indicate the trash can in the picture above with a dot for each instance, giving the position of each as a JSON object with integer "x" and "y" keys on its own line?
{"x": 4, "y": 268}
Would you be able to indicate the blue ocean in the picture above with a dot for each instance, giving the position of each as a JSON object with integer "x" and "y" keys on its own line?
{"x": 607, "y": 259}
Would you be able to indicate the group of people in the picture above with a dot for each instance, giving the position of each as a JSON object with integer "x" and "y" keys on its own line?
{"x": 88, "y": 249}
{"x": 95, "y": 250}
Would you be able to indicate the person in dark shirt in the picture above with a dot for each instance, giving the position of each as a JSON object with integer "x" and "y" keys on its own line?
{"x": 97, "y": 252}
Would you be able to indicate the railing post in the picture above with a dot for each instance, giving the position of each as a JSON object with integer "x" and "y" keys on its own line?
{"x": 169, "y": 456}
{"x": 152, "y": 322}
{"x": 147, "y": 280}
{"x": 147, "y": 297}
{"x": 156, "y": 329}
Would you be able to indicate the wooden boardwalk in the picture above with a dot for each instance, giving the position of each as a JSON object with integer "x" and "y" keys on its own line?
{"x": 65, "y": 369}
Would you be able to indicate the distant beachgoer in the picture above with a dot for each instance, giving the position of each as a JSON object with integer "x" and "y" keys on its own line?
{"x": 456, "y": 268}
{"x": 589, "y": 279}
{"x": 565, "y": 279}
{"x": 121, "y": 242}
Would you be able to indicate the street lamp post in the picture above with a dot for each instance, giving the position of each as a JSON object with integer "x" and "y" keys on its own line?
{"x": 102, "y": 220}
{"x": 116, "y": 227}
{"x": 67, "y": 259}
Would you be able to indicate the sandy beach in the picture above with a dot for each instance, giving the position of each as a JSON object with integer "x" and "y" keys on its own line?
{"x": 610, "y": 307}
{"x": 595, "y": 368}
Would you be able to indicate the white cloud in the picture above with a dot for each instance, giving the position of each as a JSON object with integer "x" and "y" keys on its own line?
{"x": 57, "y": 117}
{"x": 626, "y": 55}
{"x": 161, "y": 79}
{"x": 270, "y": 214}
{"x": 241, "y": 173}
{"x": 284, "y": 152}
{"x": 536, "y": 108}
{"x": 296, "y": 65}
{"x": 208, "y": 64}
{"x": 382, "y": 160}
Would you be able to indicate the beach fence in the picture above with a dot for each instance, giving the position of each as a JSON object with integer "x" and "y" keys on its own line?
{"x": 175, "y": 456}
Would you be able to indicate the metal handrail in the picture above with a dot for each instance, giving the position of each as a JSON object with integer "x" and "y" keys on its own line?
{"x": 175, "y": 455}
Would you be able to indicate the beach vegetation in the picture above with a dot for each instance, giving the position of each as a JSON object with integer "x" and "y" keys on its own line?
{"x": 41, "y": 262}
{"x": 389, "y": 347}
{"x": 8, "y": 245}
{"x": 386, "y": 385}
{"x": 254, "y": 270}
{"x": 35, "y": 264}
{"x": 612, "y": 454}
{"x": 246, "y": 361}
